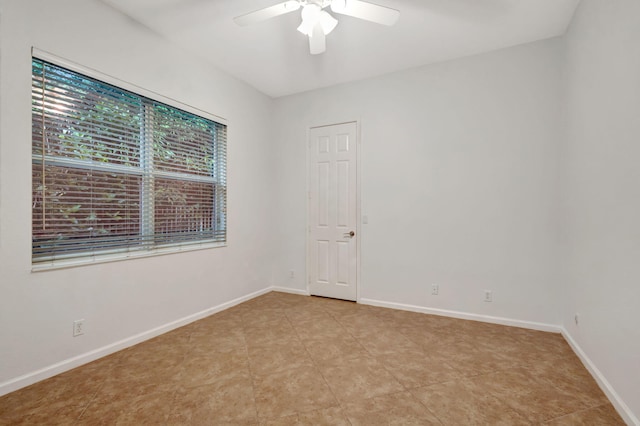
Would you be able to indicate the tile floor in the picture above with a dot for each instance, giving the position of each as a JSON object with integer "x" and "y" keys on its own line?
{"x": 283, "y": 359}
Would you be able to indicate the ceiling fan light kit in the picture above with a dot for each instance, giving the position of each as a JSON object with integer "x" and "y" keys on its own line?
{"x": 327, "y": 22}
{"x": 317, "y": 23}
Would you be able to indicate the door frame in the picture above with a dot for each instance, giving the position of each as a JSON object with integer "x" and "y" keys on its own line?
{"x": 358, "y": 204}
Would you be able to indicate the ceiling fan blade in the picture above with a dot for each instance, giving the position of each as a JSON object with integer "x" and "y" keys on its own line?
{"x": 367, "y": 11}
{"x": 317, "y": 40}
{"x": 267, "y": 13}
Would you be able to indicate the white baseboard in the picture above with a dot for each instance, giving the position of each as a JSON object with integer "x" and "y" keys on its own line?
{"x": 622, "y": 408}
{"x": 464, "y": 315}
{"x": 68, "y": 364}
{"x": 290, "y": 290}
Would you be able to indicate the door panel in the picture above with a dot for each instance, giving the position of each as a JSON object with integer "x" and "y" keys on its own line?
{"x": 332, "y": 244}
{"x": 323, "y": 261}
{"x": 323, "y": 194}
{"x": 343, "y": 204}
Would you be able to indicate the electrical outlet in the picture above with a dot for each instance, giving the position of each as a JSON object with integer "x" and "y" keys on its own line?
{"x": 576, "y": 318}
{"x": 435, "y": 289}
{"x": 292, "y": 273}
{"x": 488, "y": 296}
{"x": 78, "y": 327}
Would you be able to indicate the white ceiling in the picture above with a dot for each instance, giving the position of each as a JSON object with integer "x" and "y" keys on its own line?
{"x": 274, "y": 58}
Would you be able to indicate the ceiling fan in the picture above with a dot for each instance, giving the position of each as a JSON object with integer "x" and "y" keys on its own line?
{"x": 317, "y": 22}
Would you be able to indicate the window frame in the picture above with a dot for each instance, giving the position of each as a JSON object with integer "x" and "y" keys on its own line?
{"x": 118, "y": 254}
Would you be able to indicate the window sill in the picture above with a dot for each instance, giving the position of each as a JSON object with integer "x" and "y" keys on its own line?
{"x": 117, "y": 257}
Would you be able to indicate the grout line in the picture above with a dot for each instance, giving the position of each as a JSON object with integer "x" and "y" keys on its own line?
{"x": 425, "y": 406}
{"x": 251, "y": 375}
{"x": 93, "y": 397}
{"x": 576, "y": 412}
{"x": 317, "y": 367}
{"x": 246, "y": 345}
{"x": 315, "y": 364}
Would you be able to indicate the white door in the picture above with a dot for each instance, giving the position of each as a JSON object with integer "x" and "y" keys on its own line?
{"x": 333, "y": 201}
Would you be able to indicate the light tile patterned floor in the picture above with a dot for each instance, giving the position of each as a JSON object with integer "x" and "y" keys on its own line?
{"x": 283, "y": 359}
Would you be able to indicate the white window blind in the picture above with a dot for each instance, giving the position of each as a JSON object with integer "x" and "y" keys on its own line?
{"x": 117, "y": 172}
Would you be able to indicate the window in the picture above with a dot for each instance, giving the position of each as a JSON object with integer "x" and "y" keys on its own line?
{"x": 114, "y": 172}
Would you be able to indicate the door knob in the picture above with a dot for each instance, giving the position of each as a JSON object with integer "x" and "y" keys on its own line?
{"x": 349, "y": 234}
